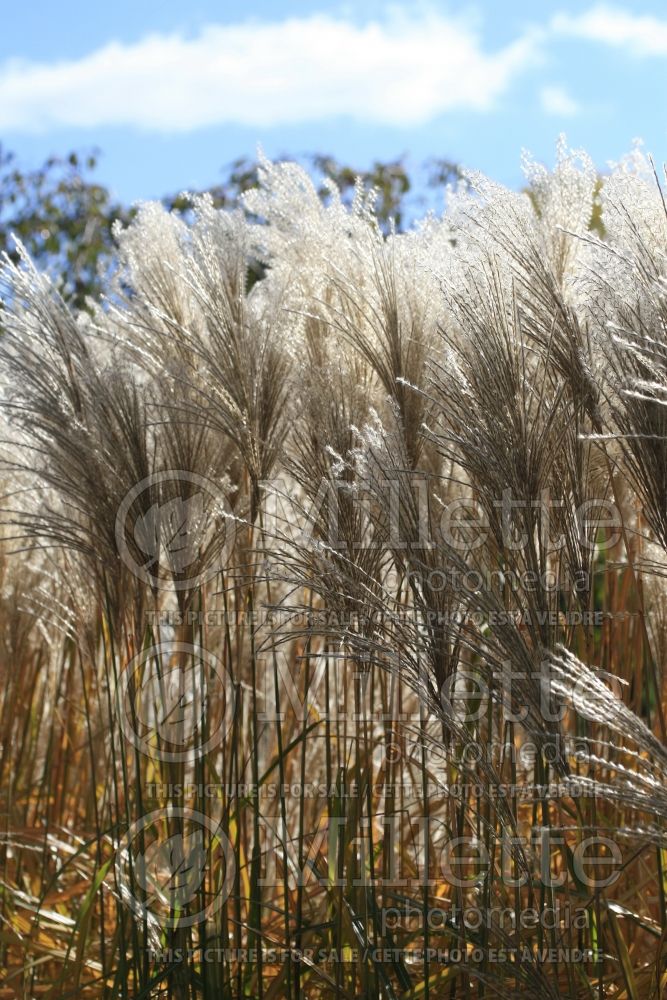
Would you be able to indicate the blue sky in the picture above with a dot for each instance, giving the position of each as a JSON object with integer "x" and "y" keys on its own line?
{"x": 170, "y": 92}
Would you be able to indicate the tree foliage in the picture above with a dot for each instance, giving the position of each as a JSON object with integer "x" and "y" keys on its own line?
{"x": 63, "y": 216}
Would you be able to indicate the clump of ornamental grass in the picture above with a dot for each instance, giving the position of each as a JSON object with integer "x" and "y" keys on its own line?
{"x": 365, "y": 570}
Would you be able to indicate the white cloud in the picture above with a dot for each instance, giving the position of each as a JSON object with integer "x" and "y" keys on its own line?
{"x": 555, "y": 100}
{"x": 642, "y": 34}
{"x": 405, "y": 70}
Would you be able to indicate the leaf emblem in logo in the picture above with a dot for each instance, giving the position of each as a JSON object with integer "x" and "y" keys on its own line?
{"x": 175, "y": 528}
{"x": 176, "y": 708}
{"x": 174, "y": 869}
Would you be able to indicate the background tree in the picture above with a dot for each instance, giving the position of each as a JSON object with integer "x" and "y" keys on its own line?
{"x": 63, "y": 216}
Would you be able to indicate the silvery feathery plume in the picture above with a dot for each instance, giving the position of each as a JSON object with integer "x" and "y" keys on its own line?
{"x": 397, "y": 335}
{"x": 564, "y": 200}
{"x": 89, "y": 439}
{"x": 532, "y": 237}
{"x": 502, "y": 415}
{"x": 531, "y": 231}
{"x": 626, "y": 281}
{"x": 378, "y": 295}
{"x": 335, "y": 553}
{"x": 632, "y": 770}
{"x": 81, "y": 419}
{"x": 222, "y": 343}
{"x": 517, "y": 359}
{"x": 299, "y": 234}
